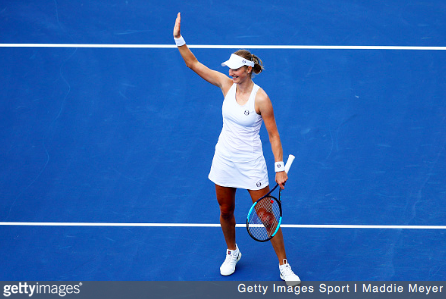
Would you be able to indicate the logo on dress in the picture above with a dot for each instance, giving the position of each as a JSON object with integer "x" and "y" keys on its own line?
{"x": 246, "y": 112}
{"x": 259, "y": 184}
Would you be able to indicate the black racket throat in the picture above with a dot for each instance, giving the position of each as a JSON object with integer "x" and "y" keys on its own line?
{"x": 271, "y": 191}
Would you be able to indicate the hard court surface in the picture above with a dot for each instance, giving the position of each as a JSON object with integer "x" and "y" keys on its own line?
{"x": 107, "y": 138}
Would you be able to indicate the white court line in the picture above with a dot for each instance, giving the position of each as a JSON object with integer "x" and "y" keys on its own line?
{"x": 274, "y": 47}
{"x": 330, "y": 226}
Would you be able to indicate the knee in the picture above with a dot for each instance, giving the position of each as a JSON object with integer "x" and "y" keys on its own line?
{"x": 226, "y": 201}
{"x": 226, "y": 212}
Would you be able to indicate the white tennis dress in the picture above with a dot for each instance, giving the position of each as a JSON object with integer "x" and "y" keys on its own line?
{"x": 238, "y": 160}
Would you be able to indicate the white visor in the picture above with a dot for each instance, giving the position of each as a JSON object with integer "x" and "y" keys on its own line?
{"x": 236, "y": 62}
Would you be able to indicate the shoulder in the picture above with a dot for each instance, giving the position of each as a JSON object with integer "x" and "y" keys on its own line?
{"x": 263, "y": 102}
{"x": 261, "y": 95}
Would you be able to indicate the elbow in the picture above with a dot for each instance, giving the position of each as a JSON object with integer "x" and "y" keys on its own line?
{"x": 191, "y": 64}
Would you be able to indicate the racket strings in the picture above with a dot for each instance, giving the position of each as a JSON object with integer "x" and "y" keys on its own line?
{"x": 264, "y": 219}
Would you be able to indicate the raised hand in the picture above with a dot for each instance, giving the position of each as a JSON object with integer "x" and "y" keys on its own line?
{"x": 176, "y": 29}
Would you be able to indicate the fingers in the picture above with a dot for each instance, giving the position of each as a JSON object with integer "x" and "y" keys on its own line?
{"x": 177, "y": 28}
{"x": 281, "y": 178}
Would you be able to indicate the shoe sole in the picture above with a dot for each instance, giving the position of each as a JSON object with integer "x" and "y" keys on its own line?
{"x": 290, "y": 283}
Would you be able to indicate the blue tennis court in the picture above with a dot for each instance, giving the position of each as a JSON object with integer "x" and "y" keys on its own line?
{"x": 107, "y": 139}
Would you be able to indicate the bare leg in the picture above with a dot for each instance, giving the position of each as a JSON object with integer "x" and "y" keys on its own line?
{"x": 277, "y": 240}
{"x": 226, "y": 200}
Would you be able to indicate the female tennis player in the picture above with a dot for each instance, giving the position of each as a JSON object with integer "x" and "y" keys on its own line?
{"x": 238, "y": 160}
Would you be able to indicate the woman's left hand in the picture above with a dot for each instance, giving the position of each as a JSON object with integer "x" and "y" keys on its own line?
{"x": 281, "y": 178}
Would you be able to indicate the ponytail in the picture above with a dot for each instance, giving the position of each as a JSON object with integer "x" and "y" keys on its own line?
{"x": 258, "y": 64}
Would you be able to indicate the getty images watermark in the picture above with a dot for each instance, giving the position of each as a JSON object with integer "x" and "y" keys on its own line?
{"x": 32, "y": 289}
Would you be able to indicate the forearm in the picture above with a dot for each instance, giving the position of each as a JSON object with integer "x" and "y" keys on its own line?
{"x": 188, "y": 57}
{"x": 276, "y": 147}
{"x": 186, "y": 53}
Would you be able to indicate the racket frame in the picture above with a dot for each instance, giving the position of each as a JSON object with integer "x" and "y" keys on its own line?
{"x": 252, "y": 210}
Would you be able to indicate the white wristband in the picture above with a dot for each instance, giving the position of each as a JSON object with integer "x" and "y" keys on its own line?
{"x": 279, "y": 166}
{"x": 179, "y": 41}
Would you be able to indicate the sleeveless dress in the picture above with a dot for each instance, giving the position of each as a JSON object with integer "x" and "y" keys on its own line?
{"x": 238, "y": 160}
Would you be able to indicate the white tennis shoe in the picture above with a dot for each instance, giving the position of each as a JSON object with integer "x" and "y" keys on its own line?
{"x": 288, "y": 275}
{"x": 232, "y": 257}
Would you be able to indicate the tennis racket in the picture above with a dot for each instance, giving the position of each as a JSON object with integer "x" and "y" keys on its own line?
{"x": 265, "y": 216}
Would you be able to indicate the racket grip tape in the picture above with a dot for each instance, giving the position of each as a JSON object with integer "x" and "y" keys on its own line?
{"x": 289, "y": 162}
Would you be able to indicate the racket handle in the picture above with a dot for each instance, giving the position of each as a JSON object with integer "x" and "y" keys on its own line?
{"x": 289, "y": 162}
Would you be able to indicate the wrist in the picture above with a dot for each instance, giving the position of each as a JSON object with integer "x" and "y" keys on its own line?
{"x": 279, "y": 166}
{"x": 179, "y": 41}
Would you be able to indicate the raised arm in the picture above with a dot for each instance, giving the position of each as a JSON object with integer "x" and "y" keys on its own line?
{"x": 211, "y": 76}
{"x": 265, "y": 108}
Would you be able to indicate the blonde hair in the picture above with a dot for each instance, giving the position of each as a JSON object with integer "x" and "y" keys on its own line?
{"x": 258, "y": 64}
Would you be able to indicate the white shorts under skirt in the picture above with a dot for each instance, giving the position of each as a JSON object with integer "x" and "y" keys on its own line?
{"x": 251, "y": 175}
